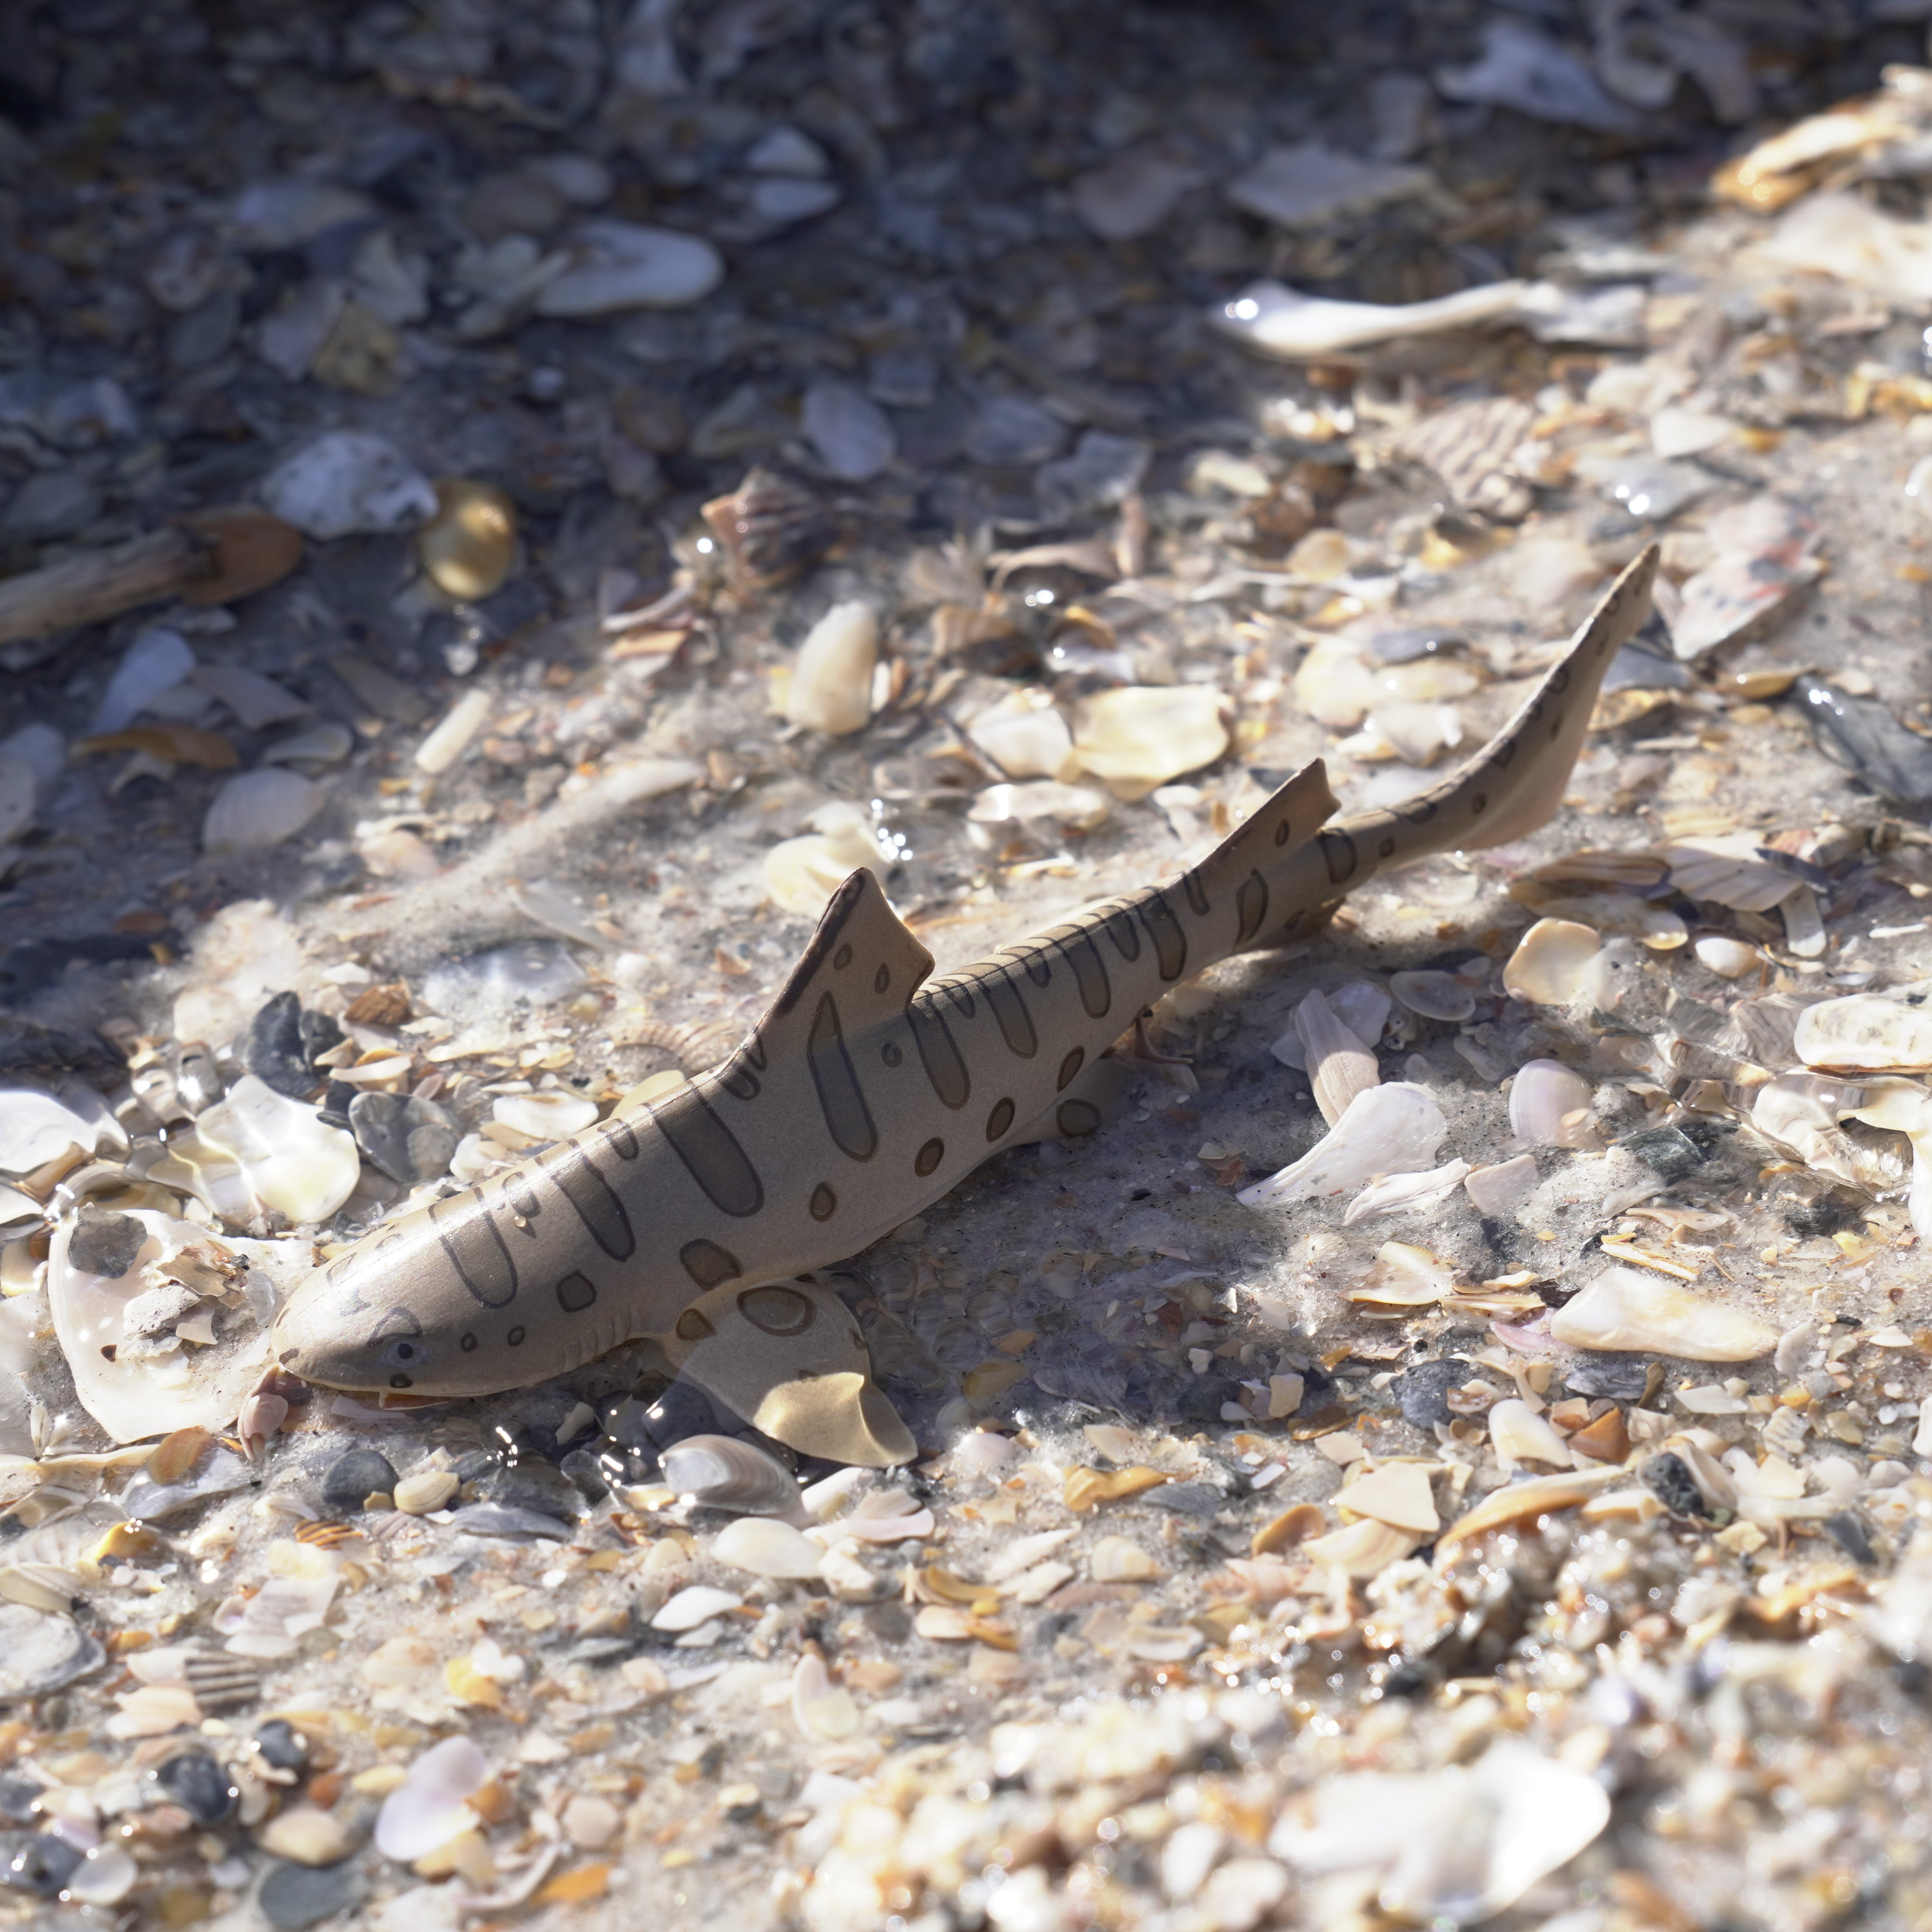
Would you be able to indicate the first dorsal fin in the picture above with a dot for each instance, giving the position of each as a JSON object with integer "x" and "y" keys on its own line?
{"x": 1239, "y": 869}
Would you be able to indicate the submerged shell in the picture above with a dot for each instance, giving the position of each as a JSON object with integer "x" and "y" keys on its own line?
{"x": 1393, "y": 1129}
{"x": 1407, "y": 1193}
{"x": 256, "y": 810}
{"x": 1340, "y": 1066}
{"x": 544, "y": 1116}
{"x": 723, "y": 1472}
{"x": 35, "y": 1129}
{"x": 767, "y": 1549}
{"x": 451, "y": 739}
{"x": 802, "y": 874}
{"x": 40, "y": 1653}
{"x": 1550, "y": 961}
{"x": 1436, "y": 996}
{"x": 293, "y": 1161}
{"x": 771, "y": 528}
{"x": 1406, "y": 1276}
{"x": 1550, "y": 1105}
{"x": 1865, "y": 1032}
{"x": 1140, "y": 735}
{"x": 1625, "y": 1308}
{"x": 468, "y": 546}
{"x": 327, "y": 743}
{"x": 692, "y": 1607}
{"x": 831, "y": 686}
{"x": 428, "y": 1809}
{"x": 1026, "y": 737}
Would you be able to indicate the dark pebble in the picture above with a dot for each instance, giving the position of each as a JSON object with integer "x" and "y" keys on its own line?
{"x": 681, "y": 1411}
{"x": 1423, "y": 1390}
{"x": 282, "y": 1745}
{"x": 319, "y": 1034}
{"x": 1848, "y": 1532}
{"x": 272, "y": 1049}
{"x": 356, "y": 1476}
{"x": 1623, "y": 1377}
{"x": 1185, "y": 1499}
{"x": 1668, "y": 1152}
{"x": 585, "y": 1472}
{"x": 410, "y": 1140}
{"x": 35, "y": 1863}
{"x": 533, "y": 1486}
{"x": 18, "y": 1789}
{"x": 1667, "y": 1479}
{"x": 1202, "y": 1400}
{"x": 104, "y": 1242}
{"x": 200, "y": 1786}
{"x": 293, "y": 1896}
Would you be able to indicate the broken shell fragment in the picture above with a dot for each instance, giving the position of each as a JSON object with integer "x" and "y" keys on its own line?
{"x": 468, "y": 546}
{"x": 1865, "y": 1032}
{"x": 1396, "y": 1128}
{"x": 1625, "y": 1308}
{"x": 1503, "y": 1188}
{"x": 259, "y": 809}
{"x": 1119, "y": 1559}
{"x": 722, "y": 1472}
{"x": 831, "y": 684}
{"x": 1518, "y": 1435}
{"x": 1550, "y": 962}
{"x": 1340, "y": 1066}
{"x": 429, "y": 1808}
{"x": 1550, "y": 1105}
{"x": 771, "y": 529}
{"x": 293, "y": 1161}
{"x": 1728, "y": 958}
{"x": 1436, "y": 996}
{"x": 1139, "y": 736}
{"x": 768, "y": 1549}
{"x": 1518, "y": 1502}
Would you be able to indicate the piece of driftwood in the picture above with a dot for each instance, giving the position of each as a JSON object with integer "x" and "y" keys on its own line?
{"x": 212, "y": 556}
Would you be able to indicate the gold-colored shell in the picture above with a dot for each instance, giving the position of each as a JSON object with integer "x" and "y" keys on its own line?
{"x": 468, "y": 546}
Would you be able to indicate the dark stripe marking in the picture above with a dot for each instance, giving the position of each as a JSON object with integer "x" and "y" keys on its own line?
{"x": 1170, "y": 942}
{"x": 475, "y": 1249}
{"x": 594, "y": 1199}
{"x": 710, "y": 1151}
{"x": 938, "y": 1054}
{"x": 1090, "y": 970}
{"x": 620, "y": 1137}
{"x": 1076, "y": 1119}
{"x": 1197, "y": 894}
{"x": 1009, "y": 1009}
{"x": 1125, "y": 935}
{"x": 1251, "y": 904}
{"x": 1339, "y": 849}
{"x": 847, "y": 1119}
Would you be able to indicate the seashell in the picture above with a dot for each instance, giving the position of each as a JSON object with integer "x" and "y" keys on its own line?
{"x": 1728, "y": 958}
{"x": 850, "y": 434}
{"x": 347, "y": 482}
{"x": 1139, "y": 736}
{"x": 410, "y": 1140}
{"x": 19, "y": 793}
{"x": 616, "y": 266}
{"x": 425, "y": 1491}
{"x": 694, "y": 1606}
{"x": 1026, "y": 736}
{"x": 1550, "y": 961}
{"x": 428, "y": 1809}
{"x": 448, "y": 741}
{"x": 222, "y": 1474}
{"x": 1335, "y": 685}
{"x": 327, "y": 743}
{"x": 156, "y": 661}
{"x": 544, "y": 1116}
{"x": 1362, "y": 1008}
{"x": 1550, "y": 1105}
{"x": 1406, "y": 1276}
{"x": 1398, "y": 1494}
{"x": 767, "y": 1549}
{"x": 1502, "y": 1190}
{"x": 105, "y": 1876}
{"x": 306, "y": 1834}
{"x": 259, "y": 809}
{"x": 1763, "y": 550}
{"x": 1518, "y": 1435}
{"x": 1865, "y": 1031}
{"x": 1294, "y": 1525}
{"x": 771, "y": 527}
{"x": 41, "y": 1652}
{"x": 1360, "y": 1550}
{"x": 821, "y": 1709}
{"x": 802, "y": 874}
{"x": 1407, "y": 1193}
{"x": 1626, "y": 1308}
{"x": 294, "y": 1162}
{"x": 1804, "y": 923}
{"x": 1726, "y": 870}
{"x": 468, "y": 546}
{"x": 1076, "y": 807}
{"x": 251, "y": 550}
{"x": 221, "y": 1682}
{"x": 1417, "y": 734}
{"x": 36, "y": 1129}
{"x": 1436, "y": 996}
{"x": 1118, "y": 1559}
{"x": 723, "y": 1472}
{"x": 830, "y": 688}
{"x": 1608, "y": 912}
{"x": 1396, "y": 1128}
{"x": 1340, "y": 1066}
{"x": 256, "y": 701}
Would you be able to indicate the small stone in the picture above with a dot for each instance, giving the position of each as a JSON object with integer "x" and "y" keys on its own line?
{"x": 307, "y": 1835}
{"x": 104, "y": 1242}
{"x": 427, "y": 1491}
{"x": 591, "y": 1823}
{"x": 281, "y": 1043}
{"x": 1423, "y": 1391}
{"x": 409, "y": 1139}
{"x": 38, "y": 1864}
{"x": 294, "y": 1896}
{"x": 281, "y": 1745}
{"x": 1668, "y": 1479}
{"x": 200, "y": 1786}
{"x": 534, "y": 1485}
{"x": 354, "y": 1477}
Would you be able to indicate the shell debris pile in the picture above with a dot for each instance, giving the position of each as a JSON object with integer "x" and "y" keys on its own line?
{"x": 503, "y": 508}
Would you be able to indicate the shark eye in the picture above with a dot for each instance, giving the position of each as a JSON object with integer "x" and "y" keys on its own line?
{"x": 404, "y": 1352}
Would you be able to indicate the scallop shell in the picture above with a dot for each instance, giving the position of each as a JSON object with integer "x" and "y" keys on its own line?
{"x": 1550, "y": 962}
{"x": 468, "y": 546}
{"x": 1340, "y": 1066}
{"x": 1865, "y": 1032}
{"x": 1625, "y": 1308}
{"x": 723, "y": 1472}
{"x": 1392, "y": 1129}
{"x": 831, "y": 684}
{"x": 767, "y": 1549}
{"x": 41, "y": 1652}
{"x": 1436, "y": 996}
{"x": 1550, "y": 1105}
{"x": 256, "y": 810}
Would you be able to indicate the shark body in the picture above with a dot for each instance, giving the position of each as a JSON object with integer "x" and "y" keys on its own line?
{"x": 867, "y": 1091}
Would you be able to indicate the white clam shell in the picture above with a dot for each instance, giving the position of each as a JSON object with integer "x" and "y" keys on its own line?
{"x": 1119, "y": 1559}
{"x": 1625, "y": 1308}
{"x": 1436, "y": 996}
{"x": 1407, "y": 1277}
{"x": 36, "y": 1128}
{"x": 691, "y": 1607}
{"x": 1518, "y": 1435}
{"x": 1550, "y": 1105}
{"x": 1550, "y": 961}
{"x": 1340, "y": 1066}
{"x": 1025, "y": 739}
{"x": 348, "y": 482}
{"x": 1140, "y": 735}
{"x": 544, "y": 1116}
{"x": 1503, "y": 1188}
{"x": 295, "y": 1163}
{"x": 132, "y": 1400}
{"x": 1865, "y": 1032}
{"x": 767, "y": 1549}
{"x": 831, "y": 686}
{"x": 1728, "y": 958}
{"x": 802, "y": 874}
{"x": 254, "y": 811}
{"x": 1079, "y": 808}
{"x": 724, "y": 1473}
{"x": 1392, "y": 1129}
{"x": 428, "y": 1809}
